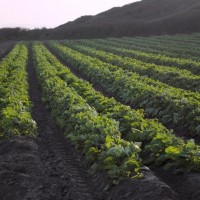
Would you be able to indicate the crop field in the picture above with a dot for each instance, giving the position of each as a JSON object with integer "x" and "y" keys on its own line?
{"x": 119, "y": 108}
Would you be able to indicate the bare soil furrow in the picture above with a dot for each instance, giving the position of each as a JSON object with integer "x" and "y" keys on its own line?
{"x": 5, "y": 48}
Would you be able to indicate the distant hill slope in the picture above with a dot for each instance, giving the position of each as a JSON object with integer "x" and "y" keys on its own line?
{"x": 147, "y": 17}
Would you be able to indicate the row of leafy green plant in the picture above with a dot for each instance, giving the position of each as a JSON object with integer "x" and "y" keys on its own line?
{"x": 174, "y": 107}
{"x": 97, "y": 136}
{"x": 173, "y": 39}
{"x": 15, "y": 105}
{"x": 179, "y": 39}
{"x": 164, "y": 147}
{"x": 169, "y": 48}
{"x": 157, "y": 59}
{"x": 170, "y": 75}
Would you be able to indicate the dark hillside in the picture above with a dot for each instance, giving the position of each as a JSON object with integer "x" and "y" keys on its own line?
{"x": 147, "y": 17}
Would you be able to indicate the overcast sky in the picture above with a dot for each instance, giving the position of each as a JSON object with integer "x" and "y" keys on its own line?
{"x": 50, "y": 13}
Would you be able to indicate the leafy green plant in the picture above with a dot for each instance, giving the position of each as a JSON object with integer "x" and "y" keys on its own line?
{"x": 15, "y": 105}
{"x": 95, "y": 135}
{"x": 132, "y": 125}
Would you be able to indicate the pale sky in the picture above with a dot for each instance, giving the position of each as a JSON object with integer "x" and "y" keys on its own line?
{"x": 50, "y": 13}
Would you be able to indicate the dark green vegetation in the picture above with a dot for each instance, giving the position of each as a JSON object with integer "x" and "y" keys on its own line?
{"x": 152, "y": 118}
{"x": 144, "y": 18}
